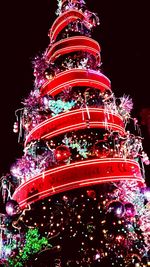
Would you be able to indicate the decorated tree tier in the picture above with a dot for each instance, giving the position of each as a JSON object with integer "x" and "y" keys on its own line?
{"x": 77, "y": 197}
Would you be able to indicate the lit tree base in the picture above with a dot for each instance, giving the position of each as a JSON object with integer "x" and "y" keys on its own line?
{"x": 87, "y": 227}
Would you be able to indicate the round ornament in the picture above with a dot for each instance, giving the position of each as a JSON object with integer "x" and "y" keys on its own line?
{"x": 129, "y": 210}
{"x": 12, "y": 207}
{"x": 91, "y": 193}
{"x": 101, "y": 149}
{"x": 62, "y": 153}
{"x": 116, "y": 208}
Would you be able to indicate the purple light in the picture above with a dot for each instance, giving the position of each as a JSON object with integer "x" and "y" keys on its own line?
{"x": 119, "y": 211}
{"x": 12, "y": 207}
{"x": 147, "y": 193}
{"x": 116, "y": 208}
{"x": 129, "y": 209}
{"x": 97, "y": 256}
{"x": 10, "y": 210}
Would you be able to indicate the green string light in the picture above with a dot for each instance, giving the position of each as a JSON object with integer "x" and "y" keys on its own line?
{"x": 33, "y": 244}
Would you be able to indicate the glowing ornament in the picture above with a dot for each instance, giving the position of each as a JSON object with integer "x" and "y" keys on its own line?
{"x": 46, "y": 102}
{"x": 129, "y": 210}
{"x": 65, "y": 198}
{"x": 91, "y": 193}
{"x": 62, "y": 153}
{"x": 34, "y": 123}
{"x": 146, "y": 192}
{"x": 145, "y": 158}
{"x": 15, "y": 127}
{"x": 101, "y": 149}
{"x": 97, "y": 256}
{"x": 116, "y": 208}
{"x": 12, "y": 207}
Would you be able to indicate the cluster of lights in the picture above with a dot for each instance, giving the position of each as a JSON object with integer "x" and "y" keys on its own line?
{"x": 83, "y": 220}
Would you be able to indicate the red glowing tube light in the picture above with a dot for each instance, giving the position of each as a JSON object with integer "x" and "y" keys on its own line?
{"x": 63, "y": 20}
{"x": 75, "y": 77}
{"x": 76, "y": 120}
{"x": 76, "y": 175}
{"x": 72, "y": 44}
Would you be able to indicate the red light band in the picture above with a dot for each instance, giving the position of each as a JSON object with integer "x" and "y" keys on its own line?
{"x": 76, "y": 175}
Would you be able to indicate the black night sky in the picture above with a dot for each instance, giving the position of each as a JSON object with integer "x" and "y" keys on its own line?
{"x": 124, "y": 38}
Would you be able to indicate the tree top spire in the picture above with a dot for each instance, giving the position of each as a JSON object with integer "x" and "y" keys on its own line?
{"x": 68, "y": 4}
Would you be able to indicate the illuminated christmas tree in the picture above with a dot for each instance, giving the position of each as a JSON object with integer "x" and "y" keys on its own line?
{"x": 78, "y": 196}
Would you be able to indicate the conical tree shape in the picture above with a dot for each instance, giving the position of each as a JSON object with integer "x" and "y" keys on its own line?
{"x": 81, "y": 179}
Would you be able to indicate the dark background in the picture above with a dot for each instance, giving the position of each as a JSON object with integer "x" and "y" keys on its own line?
{"x": 124, "y": 38}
